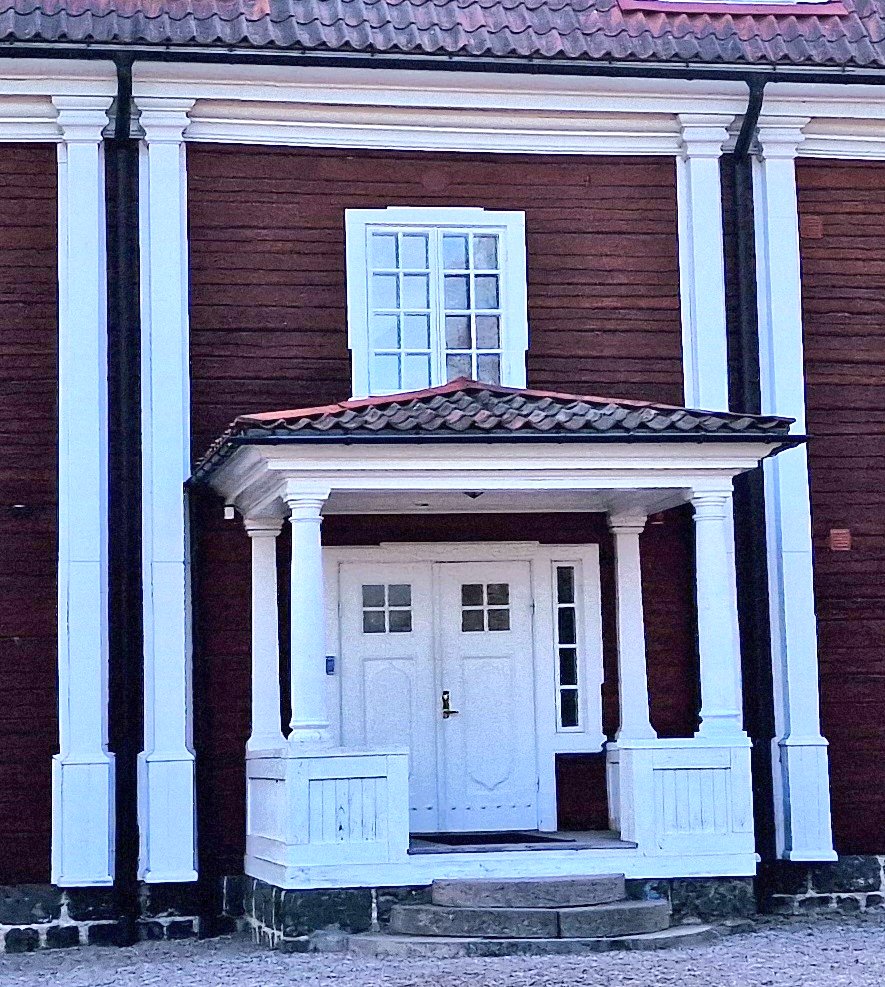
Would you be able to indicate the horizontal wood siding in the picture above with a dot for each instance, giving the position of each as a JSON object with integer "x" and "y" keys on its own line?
{"x": 843, "y": 266}
{"x": 28, "y": 506}
{"x": 268, "y": 330}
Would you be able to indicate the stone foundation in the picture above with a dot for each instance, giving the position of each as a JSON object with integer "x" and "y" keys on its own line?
{"x": 848, "y": 885}
{"x": 42, "y": 916}
{"x": 289, "y": 920}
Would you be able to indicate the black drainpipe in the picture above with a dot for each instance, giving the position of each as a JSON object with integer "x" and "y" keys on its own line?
{"x": 126, "y": 662}
{"x": 749, "y": 494}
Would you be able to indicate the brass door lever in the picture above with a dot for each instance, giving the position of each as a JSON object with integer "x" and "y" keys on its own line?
{"x": 447, "y": 710}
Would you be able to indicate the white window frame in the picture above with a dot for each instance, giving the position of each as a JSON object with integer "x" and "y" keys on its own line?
{"x": 513, "y": 286}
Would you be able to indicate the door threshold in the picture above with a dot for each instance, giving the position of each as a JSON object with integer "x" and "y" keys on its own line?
{"x": 426, "y": 843}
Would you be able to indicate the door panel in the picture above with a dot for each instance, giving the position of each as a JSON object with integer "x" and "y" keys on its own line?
{"x": 489, "y": 770}
{"x": 388, "y": 687}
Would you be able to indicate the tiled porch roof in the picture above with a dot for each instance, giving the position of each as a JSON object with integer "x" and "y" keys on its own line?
{"x": 467, "y": 409}
{"x": 851, "y": 33}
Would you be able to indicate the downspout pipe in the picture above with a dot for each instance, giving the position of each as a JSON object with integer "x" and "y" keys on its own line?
{"x": 126, "y": 662}
{"x": 751, "y": 556}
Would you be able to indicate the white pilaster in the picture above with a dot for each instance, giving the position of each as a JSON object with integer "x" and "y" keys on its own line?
{"x": 701, "y": 260}
{"x": 801, "y": 776}
{"x": 310, "y": 720}
{"x": 632, "y": 669}
{"x": 166, "y": 782}
{"x": 83, "y": 770}
{"x": 721, "y": 707}
{"x": 266, "y": 731}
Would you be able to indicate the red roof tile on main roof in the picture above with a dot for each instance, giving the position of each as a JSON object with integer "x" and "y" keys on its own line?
{"x": 565, "y": 29}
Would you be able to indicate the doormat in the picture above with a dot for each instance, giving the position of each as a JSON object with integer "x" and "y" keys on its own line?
{"x": 486, "y": 839}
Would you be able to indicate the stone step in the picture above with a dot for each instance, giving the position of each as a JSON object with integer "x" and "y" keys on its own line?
{"x": 539, "y": 892}
{"x": 381, "y": 945}
{"x": 497, "y": 923}
{"x": 620, "y": 918}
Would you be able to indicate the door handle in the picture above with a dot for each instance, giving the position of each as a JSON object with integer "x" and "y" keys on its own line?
{"x": 447, "y": 710}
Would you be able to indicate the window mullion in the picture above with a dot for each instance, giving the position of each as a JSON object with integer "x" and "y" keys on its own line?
{"x": 437, "y": 321}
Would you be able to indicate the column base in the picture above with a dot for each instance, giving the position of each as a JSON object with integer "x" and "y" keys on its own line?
{"x": 803, "y": 813}
{"x": 83, "y": 820}
{"x": 166, "y": 817}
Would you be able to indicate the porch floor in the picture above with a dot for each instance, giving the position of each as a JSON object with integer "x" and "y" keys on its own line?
{"x": 421, "y": 843}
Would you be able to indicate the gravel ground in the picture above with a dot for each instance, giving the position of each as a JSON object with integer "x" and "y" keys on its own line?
{"x": 821, "y": 953}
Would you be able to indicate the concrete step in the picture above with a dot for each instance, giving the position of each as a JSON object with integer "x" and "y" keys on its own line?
{"x": 539, "y": 892}
{"x": 448, "y": 947}
{"x": 619, "y": 918}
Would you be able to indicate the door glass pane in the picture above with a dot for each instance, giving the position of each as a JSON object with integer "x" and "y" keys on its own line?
{"x": 498, "y": 593}
{"x": 373, "y": 622}
{"x": 471, "y": 595}
{"x": 566, "y": 623}
{"x": 568, "y": 707}
{"x": 373, "y": 596}
{"x": 568, "y": 666}
{"x": 472, "y": 620}
{"x": 565, "y": 584}
{"x": 399, "y": 595}
{"x": 400, "y": 621}
{"x": 499, "y": 620}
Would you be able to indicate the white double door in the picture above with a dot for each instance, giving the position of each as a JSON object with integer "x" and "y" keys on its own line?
{"x": 438, "y": 657}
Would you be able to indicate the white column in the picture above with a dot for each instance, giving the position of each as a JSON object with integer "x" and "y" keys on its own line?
{"x": 310, "y": 721}
{"x": 166, "y": 778}
{"x": 701, "y": 260}
{"x": 83, "y": 770}
{"x": 266, "y": 732}
{"x": 632, "y": 669}
{"x": 721, "y": 708}
{"x": 802, "y": 793}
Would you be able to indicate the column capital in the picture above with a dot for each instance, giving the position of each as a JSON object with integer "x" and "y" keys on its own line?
{"x": 627, "y": 524}
{"x": 268, "y": 527}
{"x": 164, "y": 120}
{"x": 81, "y": 119}
{"x": 780, "y": 137}
{"x": 704, "y": 134}
{"x": 305, "y": 503}
{"x": 711, "y": 503}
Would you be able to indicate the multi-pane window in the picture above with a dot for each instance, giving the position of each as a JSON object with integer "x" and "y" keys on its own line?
{"x": 435, "y": 298}
{"x": 387, "y": 608}
{"x": 566, "y": 633}
{"x": 485, "y": 607}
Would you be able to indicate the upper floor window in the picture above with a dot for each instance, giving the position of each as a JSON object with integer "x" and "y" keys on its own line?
{"x": 434, "y": 294}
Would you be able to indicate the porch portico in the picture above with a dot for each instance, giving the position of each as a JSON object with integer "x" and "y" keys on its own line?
{"x": 330, "y": 800}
